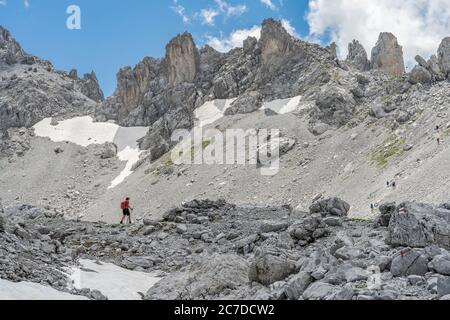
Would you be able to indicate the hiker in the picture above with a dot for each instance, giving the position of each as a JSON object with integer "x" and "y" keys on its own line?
{"x": 394, "y": 184}
{"x": 126, "y": 210}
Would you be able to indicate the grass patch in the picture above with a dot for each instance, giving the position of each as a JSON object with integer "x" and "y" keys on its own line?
{"x": 165, "y": 164}
{"x": 391, "y": 147}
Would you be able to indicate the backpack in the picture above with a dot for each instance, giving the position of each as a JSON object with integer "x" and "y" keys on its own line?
{"x": 123, "y": 205}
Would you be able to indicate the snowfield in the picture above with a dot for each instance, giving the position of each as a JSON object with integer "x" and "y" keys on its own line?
{"x": 32, "y": 291}
{"x": 84, "y": 131}
{"x": 283, "y": 106}
{"x": 112, "y": 281}
{"x": 212, "y": 111}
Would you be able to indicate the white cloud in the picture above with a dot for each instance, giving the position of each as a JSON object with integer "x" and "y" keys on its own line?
{"x": 26, "y": 3}
{"x": 181, "y": 11}
{"x": 208, "y": 16}
{"x": 269, "y": 4}
{"x": 2, "y": 2}
{"x": 235, "y": 39}
{"x": 230, "y": 10}
{"x": 419, "y": 25}
{"x": 290, "y": 28}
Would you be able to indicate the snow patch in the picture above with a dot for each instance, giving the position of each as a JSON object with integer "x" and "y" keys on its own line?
{"x": 283, "y": 106}
{"x": 112, "y": 281}
{"x": 32, "y": 291}
{"x": 84, "y": 131}
{"x": 212, "y": 111}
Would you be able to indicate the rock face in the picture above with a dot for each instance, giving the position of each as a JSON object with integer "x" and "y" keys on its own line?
{"x": 275, "y": 42}
{"x": 357, "y": 56}
{"x": 10, "y": 50}
{"x": 90, "y": 87}
{"x": 31, "y": 89}
{"x": 334, "y": 107}
{"x": 182, "y": 59}
{"x": 409, "y": 262}
{"x": 163, "y": 93}
{"x": 387, "y": 55}
{"x": 418, "y": 225}
{"x": 444, "y": 56}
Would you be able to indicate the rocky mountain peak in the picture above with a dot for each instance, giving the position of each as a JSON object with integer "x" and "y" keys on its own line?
{"x": 444, "y": 56}
{"x": 10, "y": 50}
{"x": 90, "y": 87}
{"x": 182, "y": 58}
{"x": 275, "y": 40}
{"x": 357, "y": 56}
{"x": 387, "y": 55}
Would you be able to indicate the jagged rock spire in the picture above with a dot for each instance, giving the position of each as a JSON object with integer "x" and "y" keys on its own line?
{"x": 182, "y": 59}
{"x": 357, "y": 56}
{"x": 387, "y": 55}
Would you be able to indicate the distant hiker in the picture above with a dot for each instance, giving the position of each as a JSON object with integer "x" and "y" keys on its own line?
{"x": 388, "y": 184}
{"x": 126, "y": 210}
{"x": 394, "y": 184}
{"x": 372, "y": 207}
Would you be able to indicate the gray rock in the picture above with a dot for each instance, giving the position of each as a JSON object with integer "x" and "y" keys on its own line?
{"x": 182, "y": 59}
{"x": 409, "y": 262}
{"x": 444, "y": 56}
{"x": 357, "y": 56}
{"x": 377, "y": 111}
{"x": 387, "y": 55}
{"x": 415, "y": 280}
{"x": 441, "y": 264}
{"x": 332, "y": 206}
{"x": 273, "y": 226}
{"x": 333, "y": 221}
{"x": 419, "y": 75}
{"x": 386, "y": 210}
{"x": 334, "y": 106}
{"x": 443, "y": 286}
{"x": 210, "y": 277}
{"x": 109, "y": 150}
{"x": 268, "y": 268}
{"x": 297, "y": 285}
{"x": 419, "y": 225}
{"x": 320, "y": 291}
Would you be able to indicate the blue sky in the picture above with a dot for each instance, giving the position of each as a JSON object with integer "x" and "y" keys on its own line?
{"x": 117, "y": 33}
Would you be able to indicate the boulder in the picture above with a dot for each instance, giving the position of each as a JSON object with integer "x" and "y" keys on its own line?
{"x": 297, "y": 285}
{"x": 208, "y": 277}
{"x": 109, "y": 150}
{"x": 420, "y": 75}
{"x": 320, "y": 291}
{"x": 419, "y": 225}
{"x": 330, "y": 207}
{"x": 441, "y": 264}
{"x": 409, "y": 262}
{"x": 268, "y": 268}
{"x": 386, "y": 211}
{"x": 443, "y": 286}
{"x": 334, "y": 106}
{"x": 377, "y": 111}
{"x": 387, "y": 55}
{"x": 273, "y": 226}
